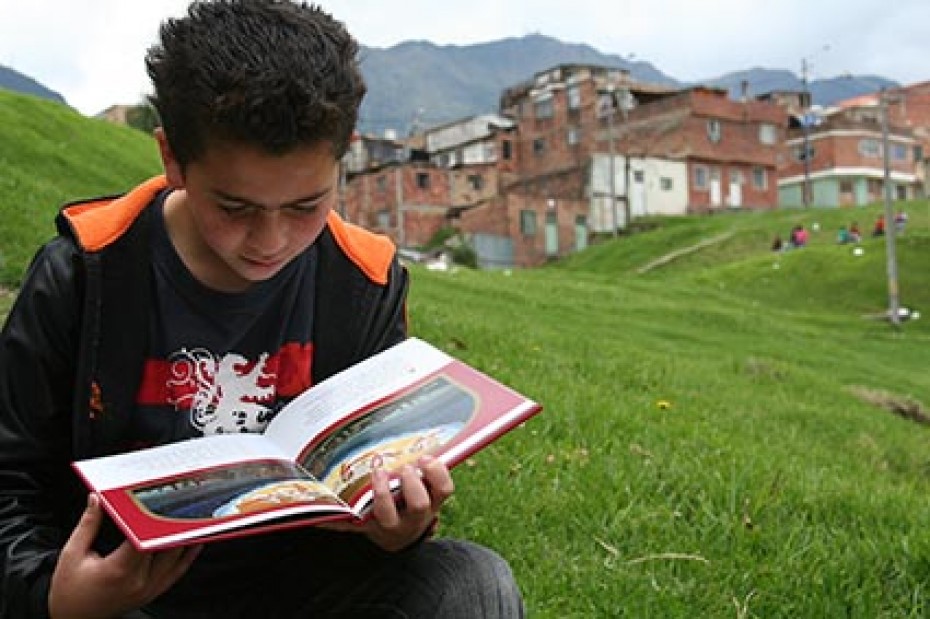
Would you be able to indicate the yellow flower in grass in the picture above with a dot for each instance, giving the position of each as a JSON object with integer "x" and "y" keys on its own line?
{"x": 663, "y": 405}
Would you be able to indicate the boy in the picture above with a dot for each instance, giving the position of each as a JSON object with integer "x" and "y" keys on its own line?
{"x": 148, "y": 307}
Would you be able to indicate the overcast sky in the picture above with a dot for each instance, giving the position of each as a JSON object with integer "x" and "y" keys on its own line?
{"x": 91, "y": 51}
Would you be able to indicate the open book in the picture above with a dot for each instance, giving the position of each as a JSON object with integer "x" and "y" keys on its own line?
{"x": 313, "y": 461}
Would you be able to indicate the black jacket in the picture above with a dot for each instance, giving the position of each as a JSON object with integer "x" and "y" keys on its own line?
{"x": 71, "y": 356}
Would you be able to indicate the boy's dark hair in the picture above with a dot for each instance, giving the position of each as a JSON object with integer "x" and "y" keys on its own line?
{"x": 269, "y": 73}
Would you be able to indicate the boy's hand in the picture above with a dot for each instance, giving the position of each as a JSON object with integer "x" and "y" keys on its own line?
{"x": 88, "y": 585}
{"x": 395, "y": 524}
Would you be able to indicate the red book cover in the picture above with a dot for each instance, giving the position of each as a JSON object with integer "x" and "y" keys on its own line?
{"x": 313, "y": 462}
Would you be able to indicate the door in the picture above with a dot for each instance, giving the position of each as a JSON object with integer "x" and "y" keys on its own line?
{"x": 552, "y": 234}
{"x": 638, "y": 197}
{"x": 581, "y": 232}
{"x": 716, "y": 191}
{"x": 736, "y": 195}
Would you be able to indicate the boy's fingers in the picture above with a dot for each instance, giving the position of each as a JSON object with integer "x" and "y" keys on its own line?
{"x": 383, "y": 508}
{"x": 82, "y": 538}
{"x": 132, "y": 559}
{"x": 170, "y": 566}
{"x": 417, "y": 499}
{"x": 437, "y": 478}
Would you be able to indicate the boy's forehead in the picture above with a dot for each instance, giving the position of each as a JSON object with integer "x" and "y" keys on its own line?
{"x": 249, "y": 172}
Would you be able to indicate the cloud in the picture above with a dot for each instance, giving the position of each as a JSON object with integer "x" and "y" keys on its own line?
{"x": 92, "y": 51}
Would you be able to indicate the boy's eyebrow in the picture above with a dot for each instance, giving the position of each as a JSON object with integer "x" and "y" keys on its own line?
{"x": 314, "y": 197}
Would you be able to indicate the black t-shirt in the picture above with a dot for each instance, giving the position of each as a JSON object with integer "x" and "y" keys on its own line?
{"x": 221, "y": 362}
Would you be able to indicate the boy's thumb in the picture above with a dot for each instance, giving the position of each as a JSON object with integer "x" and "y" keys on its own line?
{"x": 87, "y": 527}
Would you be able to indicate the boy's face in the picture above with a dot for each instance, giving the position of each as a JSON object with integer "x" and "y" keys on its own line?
{"x": 243, "y": 214}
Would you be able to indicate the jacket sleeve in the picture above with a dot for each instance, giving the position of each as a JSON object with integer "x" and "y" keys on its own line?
{"x": 39, "y": 496}
{"x": 389, "y": 322}
{"x": 355, "y": 317}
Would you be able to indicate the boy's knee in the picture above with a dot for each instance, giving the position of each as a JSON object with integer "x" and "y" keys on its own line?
{"x": 480, "y": 584}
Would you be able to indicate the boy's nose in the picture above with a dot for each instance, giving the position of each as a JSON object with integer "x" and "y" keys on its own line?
{"x": 269, "y": 232}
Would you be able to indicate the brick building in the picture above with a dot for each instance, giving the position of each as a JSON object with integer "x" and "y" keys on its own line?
{"x": 731, "y": 148}
{"x": 478, "y": 153}
{"x": 845, "y": 150}
{"x": 910, "y": 108}
{"x": 562, "y": 191}
{"x": 410, "y": 191}
{"x": 408, "y": 201}
{"x": 569, "y": 156}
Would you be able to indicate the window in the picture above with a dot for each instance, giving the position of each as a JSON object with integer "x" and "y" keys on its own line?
{"x": 605, "y": 105}
{"x": 543, "y": 107}
{"x": 574, "y": 136}
{"x": 539, "y": 146}
{"x": 422, "y": 180}
{"x": 384, "y": 218}
{"x": 665, "y": 183}
{"x": 759, "y": 178}
{"x": 918, "y": 153}
{"x": 736, "y": 177}
{"x": 899, "y": 152}
{"x": 475, "y": 181}
{"x": 714, "y": 131}
{"x": 700, "y": 177}
{"x": 869, "y": 147}
{"x": 528, "y": 223}
{"x": 846, "y": 186}
{"x": 574, "y": 97}
{"x": 798, "y": 153}
{"x": 382, "y": 182}
{"x": 506, "y": 150}
{"x": 639, "y": 176}
{"x": 768, "y": 133}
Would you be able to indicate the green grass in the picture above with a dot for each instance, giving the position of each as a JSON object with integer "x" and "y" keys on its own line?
{"x": 50, "y": 154}
{"x": 766, "y": 487}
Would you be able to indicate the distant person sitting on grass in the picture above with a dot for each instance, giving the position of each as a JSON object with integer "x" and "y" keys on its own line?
{"x": 879, "y": 228}
{"x": 843, "y": 236}
{"x": 798, "y": 236}
{"x": 900, "y": 221}
{"x": 855, "y": 234}
{"x": 234, "y": 253}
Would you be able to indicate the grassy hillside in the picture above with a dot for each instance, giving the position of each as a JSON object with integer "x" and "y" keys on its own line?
{"x": 701, "y": 454}
{"x": 724, "y": 433}
{"x": 731, "y": 251}
{"x": 50, "y": 154}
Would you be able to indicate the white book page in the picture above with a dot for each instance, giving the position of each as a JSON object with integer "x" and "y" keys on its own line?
{"x": 338, "y": 396}
{"x": 176, "y": 458}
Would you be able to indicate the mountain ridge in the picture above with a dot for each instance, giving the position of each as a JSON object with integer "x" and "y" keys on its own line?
{"x": 11, "y": 79}
{"x": 418, "y": 84}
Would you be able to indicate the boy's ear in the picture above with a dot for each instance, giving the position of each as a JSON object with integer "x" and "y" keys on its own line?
{"x": 173, "y": 171}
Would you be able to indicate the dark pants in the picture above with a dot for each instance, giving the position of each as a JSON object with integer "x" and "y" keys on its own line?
{"x": 435, "y": 579}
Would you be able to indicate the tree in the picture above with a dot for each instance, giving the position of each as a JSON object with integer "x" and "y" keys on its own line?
{"x": 142, "y": 117}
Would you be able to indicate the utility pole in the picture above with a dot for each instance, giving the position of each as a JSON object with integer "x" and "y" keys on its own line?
{"x": 805, "y": 130}
{"x": 807, "y": 119}
{"x": 626, "y": 103}
{"x": 890, "y": 250}
{"x": 612, "y": 151}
